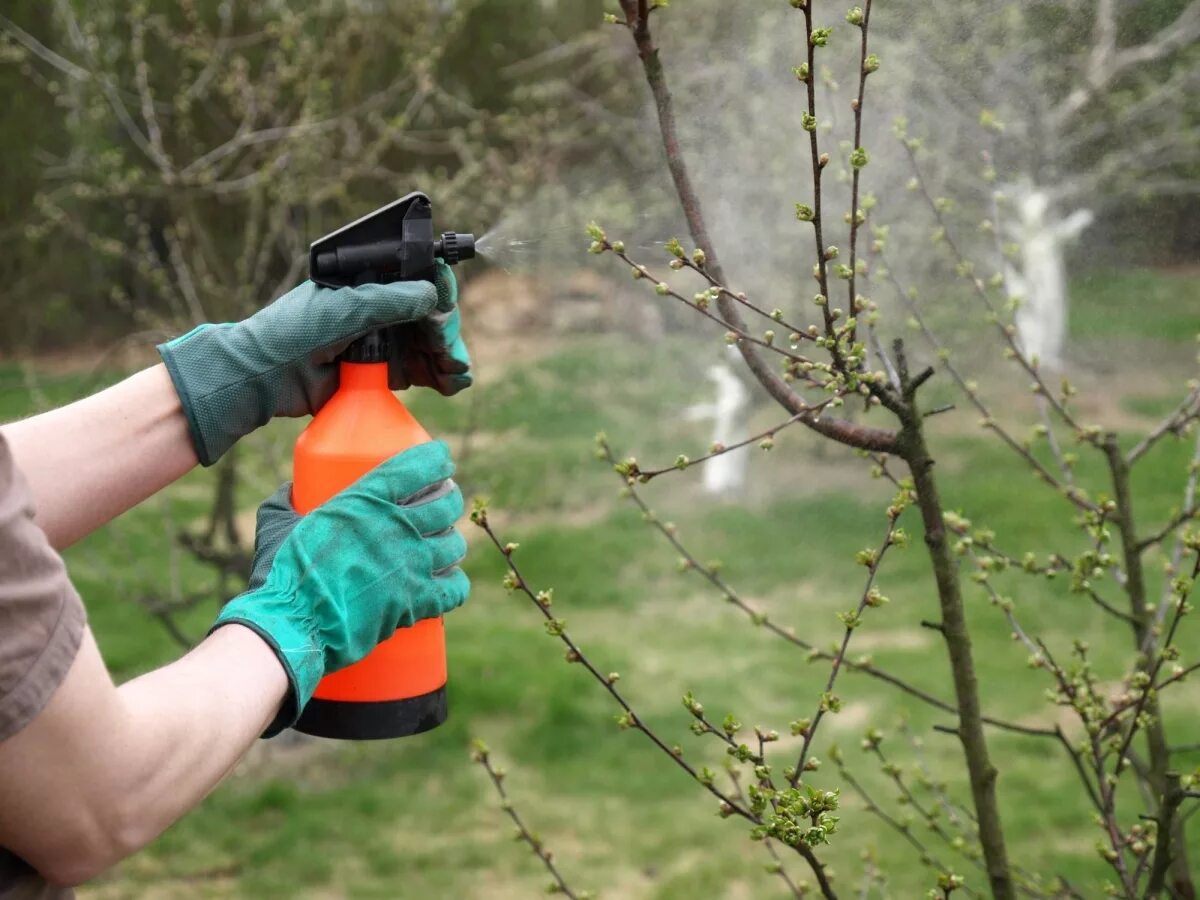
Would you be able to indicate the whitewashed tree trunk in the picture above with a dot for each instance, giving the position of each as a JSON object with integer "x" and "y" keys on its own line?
{"x": 1040, "y": 277}
{"x": 726, "y": 473}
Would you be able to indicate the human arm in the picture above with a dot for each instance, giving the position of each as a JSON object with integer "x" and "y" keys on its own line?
{"x": 99, "y": 771}
{"x": 91, "y": 460}
{"x": 103, "y": 770}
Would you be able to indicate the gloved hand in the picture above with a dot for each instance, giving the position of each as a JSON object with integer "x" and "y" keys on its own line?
{"x": 327, "y": 587}
{"x": 430, "y": 351}
{"x": 282, "y": 361}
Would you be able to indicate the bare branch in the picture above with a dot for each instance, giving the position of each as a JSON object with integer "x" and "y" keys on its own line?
{"x": 828, "y": 702}
{"x": 482, "y": 755}
{"x": 556, "y": 628}
{"x": 1106, "y": 62}
{"x": 1176, "y": 421}
{"x": 637, "y": 20}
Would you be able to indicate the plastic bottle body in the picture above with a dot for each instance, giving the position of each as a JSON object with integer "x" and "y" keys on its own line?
{"x": 400, "y": 688}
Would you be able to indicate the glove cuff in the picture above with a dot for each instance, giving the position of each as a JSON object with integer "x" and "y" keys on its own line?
{"x": 299, "y": 655}
{"x": 171, "y": 361}
{"x": 188, "y": 358}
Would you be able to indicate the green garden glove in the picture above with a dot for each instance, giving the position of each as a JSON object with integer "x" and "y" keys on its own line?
{"x": 430, "y": 351}
{"x": 282, "y": 361}
{"x": 327, "y": 587}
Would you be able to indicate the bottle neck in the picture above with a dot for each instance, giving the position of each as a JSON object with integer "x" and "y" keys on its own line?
{"x": 357, "y": 376}
{"x": 372, "y": 347}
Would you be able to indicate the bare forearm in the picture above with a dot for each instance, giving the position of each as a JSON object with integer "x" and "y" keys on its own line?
{"x": 90, "y": 461}
{"x": 105, "y": 770}
{"x": 203, "y": 713}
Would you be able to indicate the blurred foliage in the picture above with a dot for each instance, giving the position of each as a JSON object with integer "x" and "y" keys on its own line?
{"x": 1037, "y": 85}
{"x": 176, "y": 159}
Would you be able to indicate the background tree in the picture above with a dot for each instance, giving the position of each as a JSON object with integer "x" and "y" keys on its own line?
{"x": 819, "y": 367}
{"x": 1076, "y": 108}
{"x": 190, "y": 152}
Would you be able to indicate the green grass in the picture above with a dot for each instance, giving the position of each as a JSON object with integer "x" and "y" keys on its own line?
{"x": 1117, "y": 305}
{"x": 415, "y": 819}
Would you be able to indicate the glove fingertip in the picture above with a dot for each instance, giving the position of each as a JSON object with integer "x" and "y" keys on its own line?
{"x": 445, "y": 462}
{"x": 411, "y": 471}
{"x": 456, "y": 588}
{"x": 456, "y": 383}
{"x": 279, "y": 502}
{"x": 447, "y": 286}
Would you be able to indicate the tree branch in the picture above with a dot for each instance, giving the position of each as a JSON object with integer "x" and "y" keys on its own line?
{"x": 482, "y": 755}
{"x": 638, "y": 22}
{"x": 981, "y": 771}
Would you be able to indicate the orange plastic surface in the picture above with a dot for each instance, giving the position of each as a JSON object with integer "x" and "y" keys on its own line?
{"x": 360, "y": 427}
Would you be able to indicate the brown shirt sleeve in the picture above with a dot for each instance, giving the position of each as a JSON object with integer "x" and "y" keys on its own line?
{"x": 41, "y": 616}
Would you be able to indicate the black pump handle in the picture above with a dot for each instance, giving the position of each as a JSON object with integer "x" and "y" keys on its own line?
{"x": 393, "y": 243}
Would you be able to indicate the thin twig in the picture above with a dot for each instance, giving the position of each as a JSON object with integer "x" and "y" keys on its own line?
{"x": 712, "y": 575}
{"x": 1007, "y": 332}
{"x": 828, "y": 702}
{"x": 575, "y": 655}
{"x": 1186, "y": 412}
{"x": 482, "y": 755}
{"x": 969, "y": 390}
{"x": 857, "y": 106}
{"x": 645, "y": 475}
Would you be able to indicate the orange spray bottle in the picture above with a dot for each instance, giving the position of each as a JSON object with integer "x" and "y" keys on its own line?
{"x": 400, "y": 688}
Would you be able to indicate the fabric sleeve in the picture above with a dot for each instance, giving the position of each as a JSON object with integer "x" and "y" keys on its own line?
{"x": 41, "y": 616}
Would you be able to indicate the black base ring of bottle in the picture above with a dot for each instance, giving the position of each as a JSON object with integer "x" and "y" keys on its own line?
{"x": 374, "y": 720}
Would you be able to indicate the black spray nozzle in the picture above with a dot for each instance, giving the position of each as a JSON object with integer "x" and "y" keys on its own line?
{"x": 394, "y": 243}
{"x": 453, "y": 246}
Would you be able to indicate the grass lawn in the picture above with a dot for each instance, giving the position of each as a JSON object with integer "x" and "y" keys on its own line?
{"x": 415, "y": 818}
